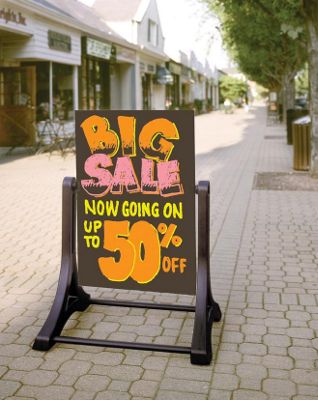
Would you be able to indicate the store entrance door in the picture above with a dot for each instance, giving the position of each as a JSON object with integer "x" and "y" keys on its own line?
{"x": 17, "y": 106}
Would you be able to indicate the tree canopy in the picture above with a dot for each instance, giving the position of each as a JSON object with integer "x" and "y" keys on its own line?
{"x": 256, "y": 41}
{"x": 232, "y": 88}
{"x": 270, "y": 40}
{"x": 302, "y": 86}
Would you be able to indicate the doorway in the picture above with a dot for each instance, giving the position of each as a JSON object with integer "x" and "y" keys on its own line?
{"x": 17, "y": 106}
{"x": 146, "y": 91}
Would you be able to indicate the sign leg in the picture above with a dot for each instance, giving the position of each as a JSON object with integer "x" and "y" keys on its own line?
{"x": 207, "y": 310}
{"x": 69, "y": 296}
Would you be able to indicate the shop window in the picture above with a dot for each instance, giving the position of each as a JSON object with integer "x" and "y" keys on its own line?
{"x": 14, "y": 89}
{"x": 95, "y": 85}
{"x": 17, "y": 106}
{"x": 172, "y": 93}
{"x": 63, "y": 91}
{"x": 42, "y": 89}
{"x": 146, "y": 91}
{"x": 62, "y": 81}
{"x": 185, "y": 89}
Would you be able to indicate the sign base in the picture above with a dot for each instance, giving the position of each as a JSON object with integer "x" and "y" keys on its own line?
{"x": 71, "y": 297}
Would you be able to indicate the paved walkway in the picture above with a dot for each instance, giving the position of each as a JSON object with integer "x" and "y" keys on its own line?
{"x": 264, "y": 274}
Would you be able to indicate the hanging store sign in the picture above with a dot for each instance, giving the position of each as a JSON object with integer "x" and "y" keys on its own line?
{"x": 11, "y": 16}
{"x": 98, "y": 49}
{"x": 174, "y": 68}
{"x": 124, "y": 54}
{"x": 59, "y": 41}
{"x": 185, "y": 72}
{"x": 163, "y": 76}
{"x": 136, "y": 200}
{"x": 151, "y": 68}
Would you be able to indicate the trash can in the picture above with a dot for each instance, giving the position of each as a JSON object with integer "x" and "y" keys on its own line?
{"x": 292, "y": 114}
{"x": 301, "y": 141}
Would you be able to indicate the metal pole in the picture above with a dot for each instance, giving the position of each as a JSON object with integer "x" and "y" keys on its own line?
{"x": 51, "y": 90}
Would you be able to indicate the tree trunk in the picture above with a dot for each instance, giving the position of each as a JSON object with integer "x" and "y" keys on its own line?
{"x": 311, "y": 11}
{"x": 288, "y": 94}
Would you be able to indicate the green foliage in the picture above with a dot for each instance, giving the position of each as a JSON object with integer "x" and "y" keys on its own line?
{"x": 232, "y": 88}
{"x": 302, "y": 82}
{"x": 263, "y": 37}
{"x": 198, "y": 105}
{"x": 270, "y": 40}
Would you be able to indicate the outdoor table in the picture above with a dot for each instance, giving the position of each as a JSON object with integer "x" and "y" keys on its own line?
{"x": 52, "y": 135}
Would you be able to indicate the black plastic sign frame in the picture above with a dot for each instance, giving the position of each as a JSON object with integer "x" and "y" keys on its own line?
{"x": 136, "y": 200}
{"x": 115, "y": 165}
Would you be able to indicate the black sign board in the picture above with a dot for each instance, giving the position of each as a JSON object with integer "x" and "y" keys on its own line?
{"x": 135, "y": 225}
{"x": 60, "y": 42}
{"x": 136, "y": 200}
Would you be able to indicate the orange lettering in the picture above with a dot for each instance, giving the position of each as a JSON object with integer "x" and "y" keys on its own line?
{"x": 99, "y": 136}
{"x": 160, "y": 128}
{"x": 147, "y": 267}
{"x": 115, "y": 238}
{"x": 127, "y": 129}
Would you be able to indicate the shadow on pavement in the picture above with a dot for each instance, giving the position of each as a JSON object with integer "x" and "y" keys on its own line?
{"x": 7, "y": 158}
{"x": 220, "y": 156}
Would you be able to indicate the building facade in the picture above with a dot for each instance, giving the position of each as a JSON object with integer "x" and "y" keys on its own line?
{"x": 57, "y": 56}
{"x": 39, "y": 60}
{"x": 138, "y": 22}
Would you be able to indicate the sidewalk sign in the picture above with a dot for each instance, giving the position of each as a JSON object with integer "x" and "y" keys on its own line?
{"x": 136, "y": 200}
{"x": 135, "y": 196}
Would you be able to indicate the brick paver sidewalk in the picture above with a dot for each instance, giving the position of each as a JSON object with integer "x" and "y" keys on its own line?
{"x": 264, "y": 274}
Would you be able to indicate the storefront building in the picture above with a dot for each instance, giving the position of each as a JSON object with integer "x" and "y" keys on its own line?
{"x": 39, "y": 60}
{"x": 151, "y": 60}
{"x": 173, "y": 90}
{"x": 146, "y": 73}
{"x": 122, "y": 78}
{"x": 17, "y": 84}
{"x": 138, "y": 23}
{"x": 152, "y": 87}
{"x": 54, "y": 61}
{"x": 94, "y": 77}
{"x": 208, "y": 94}
{"x": 106, "y": 75}
{"x": 215, "y": 92}
{"x": 186, "y": 84}
{"x": 211, "y": 87}
{"x": 199, "y": 91}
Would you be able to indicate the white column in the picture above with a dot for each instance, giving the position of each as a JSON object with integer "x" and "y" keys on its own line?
{"x": 138, "y": 89}
{"x": 213, "y": 97}
{"x": 152, "y": 94}
{"x": 217, "y": 97}
{"x": 75, "y": 87}
{"x": 126, "y": 86}
{"x": 51, "y": 90}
